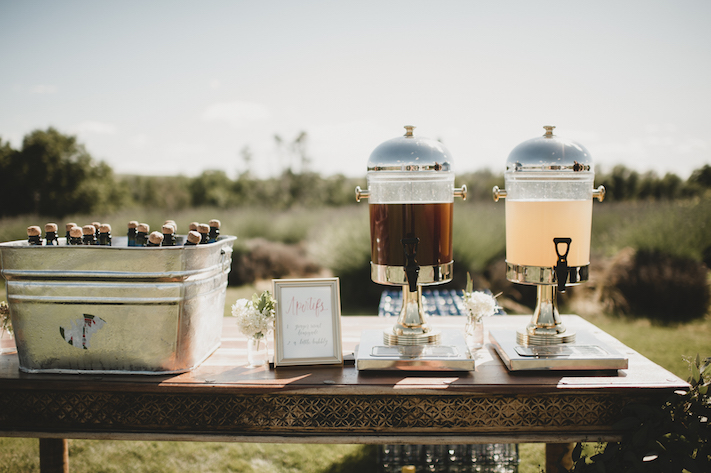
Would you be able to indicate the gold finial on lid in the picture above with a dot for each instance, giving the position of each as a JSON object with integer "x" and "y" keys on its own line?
{"x": 409, "y": 129}
{"x": 549, "y": 130}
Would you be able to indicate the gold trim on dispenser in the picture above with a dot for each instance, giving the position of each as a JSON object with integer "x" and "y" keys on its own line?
{"x": 396, "y": 275}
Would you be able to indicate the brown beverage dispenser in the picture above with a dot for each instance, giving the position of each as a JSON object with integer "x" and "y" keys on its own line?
{"x": 411, "y": 194}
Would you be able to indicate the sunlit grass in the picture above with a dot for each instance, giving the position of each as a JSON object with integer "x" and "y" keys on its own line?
{"x": 285, "y": 226}
{"x": 101, "y": 456}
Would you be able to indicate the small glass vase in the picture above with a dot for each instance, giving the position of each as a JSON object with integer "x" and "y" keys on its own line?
{"x": 6, "y": 335}
{"x": 257, "y": 352}
{"x": 474, "y": 332}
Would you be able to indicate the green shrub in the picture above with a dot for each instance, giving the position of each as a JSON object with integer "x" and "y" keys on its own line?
{"x": 678, "y": 228}
{"x": 664, "y": 288}
{"x": 675, "y": 437}
{"x": 260, "y": 259}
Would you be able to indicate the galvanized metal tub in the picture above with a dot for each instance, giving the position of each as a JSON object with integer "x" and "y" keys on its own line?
{"x": 116, "y": 309}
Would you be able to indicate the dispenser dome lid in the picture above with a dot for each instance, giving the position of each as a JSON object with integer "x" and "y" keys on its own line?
{"x": 409, "y": 153}
{"x": 549, "y": 153}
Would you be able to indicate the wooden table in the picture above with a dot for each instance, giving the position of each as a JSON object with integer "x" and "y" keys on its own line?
{"x": 222, "y": 400}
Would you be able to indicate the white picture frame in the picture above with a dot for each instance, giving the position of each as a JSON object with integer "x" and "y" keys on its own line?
{"x": 307, "y": 328}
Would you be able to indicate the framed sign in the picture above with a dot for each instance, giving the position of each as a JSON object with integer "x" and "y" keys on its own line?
{"x": 308, "y": 322}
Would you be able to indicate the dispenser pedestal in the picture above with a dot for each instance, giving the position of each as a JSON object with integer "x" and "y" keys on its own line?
{"x": 586, "y": 353}
{"x": 412, "y": 327}
{"x": 546, "y": 327}
{"x": 450, "y": 354}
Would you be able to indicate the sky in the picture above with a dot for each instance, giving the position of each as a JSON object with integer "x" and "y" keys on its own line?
{"x": 180, "y": 87}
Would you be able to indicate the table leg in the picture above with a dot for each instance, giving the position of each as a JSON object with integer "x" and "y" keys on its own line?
{"x": 54, "y": 456}
{"x": 558, "y": 457}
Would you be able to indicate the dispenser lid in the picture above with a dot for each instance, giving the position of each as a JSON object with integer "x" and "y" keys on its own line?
{"x": 549, "y": 153}
{"x": 409, "y": 153}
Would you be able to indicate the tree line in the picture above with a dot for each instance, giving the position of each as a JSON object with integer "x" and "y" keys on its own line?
{"x": 52, "y": 174}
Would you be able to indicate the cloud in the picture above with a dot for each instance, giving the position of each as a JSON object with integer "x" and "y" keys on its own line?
{"x": 655, "y": 128}
{"x": 98, "y": 128}
{"x": 692, "y": 145}
{"x": 186, "y": 149}
{"x": 139, "y": 141}
{"x": 44, "y": 89}
{"x": 237, "y": 114}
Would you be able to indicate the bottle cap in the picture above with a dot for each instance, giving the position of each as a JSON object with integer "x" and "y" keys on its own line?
{"x": 193, "y": 226}
{"x": 156, "y": 238}
{"x": 132, "y": 224}
{"x": 168, "y": 228}
{"x": 214, "y": 223}
{"x": 75, "y": 232}
{"x": 203, "y": 228}
{"x": 70, "y": 225}
{"x": 88, "y": 229}
{"x": 50, "y": 227}
{"x": 143, "y": 227}
{"x": 34, "y": 230}
{"x": 105, "y": 228}
{"x": 194, "y": 237}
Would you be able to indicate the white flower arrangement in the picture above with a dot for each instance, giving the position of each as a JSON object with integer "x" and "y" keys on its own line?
{"x": 5, "y": 324}
{"x": 478, "y": 304}
{"x": 255, "y": 318}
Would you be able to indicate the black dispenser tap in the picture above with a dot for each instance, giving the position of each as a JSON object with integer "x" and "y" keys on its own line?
{"x": 412, "y": 269}
{"x": 561, "y": 267}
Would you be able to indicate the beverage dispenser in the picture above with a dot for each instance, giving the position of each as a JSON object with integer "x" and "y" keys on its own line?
{"x": 411, "y": 194}
{"x": 549, "y": 192}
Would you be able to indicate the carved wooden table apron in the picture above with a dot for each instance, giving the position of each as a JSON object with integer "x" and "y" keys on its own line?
{"x": 222, "y": 400}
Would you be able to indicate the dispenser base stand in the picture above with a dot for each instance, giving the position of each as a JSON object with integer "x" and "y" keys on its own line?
{"x": 430, "y": 338}
{"x": 546, "y": 326}
{"x": 586, "y": 353}
{"x": 412, "y": 327}
{"x": 450, "y": 354}
{"x": 523, "y": 337}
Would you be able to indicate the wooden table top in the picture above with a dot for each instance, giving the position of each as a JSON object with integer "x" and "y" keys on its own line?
{"x": 223, "y": 399}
